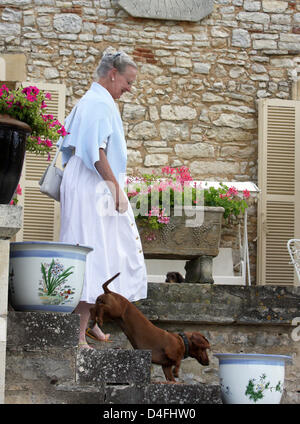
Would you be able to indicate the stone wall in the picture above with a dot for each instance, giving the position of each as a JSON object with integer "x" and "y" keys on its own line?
{"x": 41, "y": 365}
{"x": 195, "y": 100}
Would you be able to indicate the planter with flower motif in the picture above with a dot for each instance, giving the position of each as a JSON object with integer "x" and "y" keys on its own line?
{"x": 13, "y": 134}
{"x": 191, "y": 231}
{"x": 46, "y": 276}
{"x": 249, "y": 378}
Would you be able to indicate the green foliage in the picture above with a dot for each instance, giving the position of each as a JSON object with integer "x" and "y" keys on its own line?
{"x": 255, "y": 390}
{"x": 227, "y": 198}
{"x": 54, "y": 278}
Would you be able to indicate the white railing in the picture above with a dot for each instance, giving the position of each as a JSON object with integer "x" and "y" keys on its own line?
{"x": 293, "y": 246}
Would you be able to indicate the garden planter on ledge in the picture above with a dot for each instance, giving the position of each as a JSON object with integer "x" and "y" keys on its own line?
{"x": 251, "y": 378}
{"x": 196, "y": 239}
{"x": 46, "y": 276}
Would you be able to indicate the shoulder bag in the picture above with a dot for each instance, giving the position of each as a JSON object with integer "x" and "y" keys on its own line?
{"x": 50, "y": 181}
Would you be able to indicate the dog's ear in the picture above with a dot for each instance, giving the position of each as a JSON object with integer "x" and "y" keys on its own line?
{"x": 200, "y": 340}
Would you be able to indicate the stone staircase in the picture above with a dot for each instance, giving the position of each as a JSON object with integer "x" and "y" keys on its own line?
{"x": 44, "y": 365}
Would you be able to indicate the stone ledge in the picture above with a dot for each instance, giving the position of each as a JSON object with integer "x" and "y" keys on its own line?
{"x": 221, "y": 304}
{"x": 184, "y": 393}
{"x": 74, "y": 393}
{"x": 10, "y": 220}
{"x": 164, "y": 393}
{"x": 39, "y": 366}
{"x": 138, "y": 394}
{"x": 114, "y": 366}
{"x": 42, "y": 330}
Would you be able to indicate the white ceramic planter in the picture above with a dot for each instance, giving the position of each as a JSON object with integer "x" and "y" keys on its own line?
{"x": 46, "y": 276}
{"x": 251, "y": 378}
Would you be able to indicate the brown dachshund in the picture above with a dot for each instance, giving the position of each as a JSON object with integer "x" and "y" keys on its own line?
{"x": 168, "y": 349}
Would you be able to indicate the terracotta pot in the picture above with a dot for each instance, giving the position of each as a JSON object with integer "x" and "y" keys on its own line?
{"x": 13, "y": 134}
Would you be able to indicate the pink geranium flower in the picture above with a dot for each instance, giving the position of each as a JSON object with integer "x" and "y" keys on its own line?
{"x": 48, "y": 143}
{"x": 62, "y": 131}
{"x": 246, "y": 194}
{"x": 3, "y": 87}
{"x": 19, "y": 190}
{"x": 233, "y": 191}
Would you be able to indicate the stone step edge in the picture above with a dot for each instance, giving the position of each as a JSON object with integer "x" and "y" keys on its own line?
{"x": 121, "y": 366}
{"x": 147, "y": 394}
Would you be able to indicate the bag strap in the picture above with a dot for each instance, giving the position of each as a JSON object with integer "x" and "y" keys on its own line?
{"x": 60, "y": 146}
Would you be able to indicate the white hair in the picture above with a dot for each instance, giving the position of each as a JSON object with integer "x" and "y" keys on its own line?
{"x": 118, "y": 60}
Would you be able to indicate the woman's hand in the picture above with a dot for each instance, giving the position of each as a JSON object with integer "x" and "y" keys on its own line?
{"x": 121, "y": 201}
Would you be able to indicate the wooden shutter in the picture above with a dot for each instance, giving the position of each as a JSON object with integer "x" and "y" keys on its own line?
{"x": 40, "y": 213}
{"x": 279, "y": 182}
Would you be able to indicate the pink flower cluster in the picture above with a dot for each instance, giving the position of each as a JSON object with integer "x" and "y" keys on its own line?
{"x": 164, "y": 185}
{"x": 232, "y": 191}
{"x": 155, "y": 211}
{"x": 31, "y": 93}
{"x": 27, "y": 105}
{"x": 181, "y": 174}
{"x": 14, "y": 201}
{"x": 3, "y": 89}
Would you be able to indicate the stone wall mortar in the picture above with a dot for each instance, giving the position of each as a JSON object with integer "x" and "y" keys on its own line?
{"x": 195, "y": 100}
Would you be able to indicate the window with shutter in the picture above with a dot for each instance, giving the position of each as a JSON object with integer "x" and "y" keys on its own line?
{"x": 40, "y": 213}
{"x": 279, "y": 182}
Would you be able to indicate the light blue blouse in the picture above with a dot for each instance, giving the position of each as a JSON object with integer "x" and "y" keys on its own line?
{"x": 93, "y": 123}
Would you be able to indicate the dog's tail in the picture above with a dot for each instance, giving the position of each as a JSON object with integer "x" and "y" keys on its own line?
{"x": 104, "y": 286}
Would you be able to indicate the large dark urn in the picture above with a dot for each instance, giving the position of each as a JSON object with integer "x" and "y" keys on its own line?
{"x": 13, "y": 134}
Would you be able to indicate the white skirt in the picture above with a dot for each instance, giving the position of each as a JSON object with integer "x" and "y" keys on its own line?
{"x": 88, "y": 217}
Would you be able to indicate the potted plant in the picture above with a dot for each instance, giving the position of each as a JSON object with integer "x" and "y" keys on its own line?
{"x": 178, "y": 218}
{"x": 24, "y": 126}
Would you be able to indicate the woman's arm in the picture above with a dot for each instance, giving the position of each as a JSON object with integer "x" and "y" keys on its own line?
{"x": 106, "y": 173}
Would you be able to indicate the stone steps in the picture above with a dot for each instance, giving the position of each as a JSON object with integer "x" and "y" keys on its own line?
{"x": 44, "y": 365}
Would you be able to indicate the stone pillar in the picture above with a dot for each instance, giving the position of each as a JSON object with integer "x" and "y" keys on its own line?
{"x": 199, "y": 270}
{"x": 10, "y": 223}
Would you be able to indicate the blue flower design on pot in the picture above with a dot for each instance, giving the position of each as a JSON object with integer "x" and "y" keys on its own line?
{"x": 53, "y": 288}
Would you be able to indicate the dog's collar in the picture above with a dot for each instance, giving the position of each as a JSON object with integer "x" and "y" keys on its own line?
{"x": 186, "y": 344}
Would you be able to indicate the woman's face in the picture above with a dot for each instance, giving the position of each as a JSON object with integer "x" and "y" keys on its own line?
{"x": 122, "y": 82}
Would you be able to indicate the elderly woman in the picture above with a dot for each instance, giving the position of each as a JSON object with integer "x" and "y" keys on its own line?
{"x": 94, "y": 208}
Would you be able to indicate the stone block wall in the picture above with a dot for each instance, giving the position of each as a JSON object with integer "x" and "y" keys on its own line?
{"x": 195, "y": 99}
